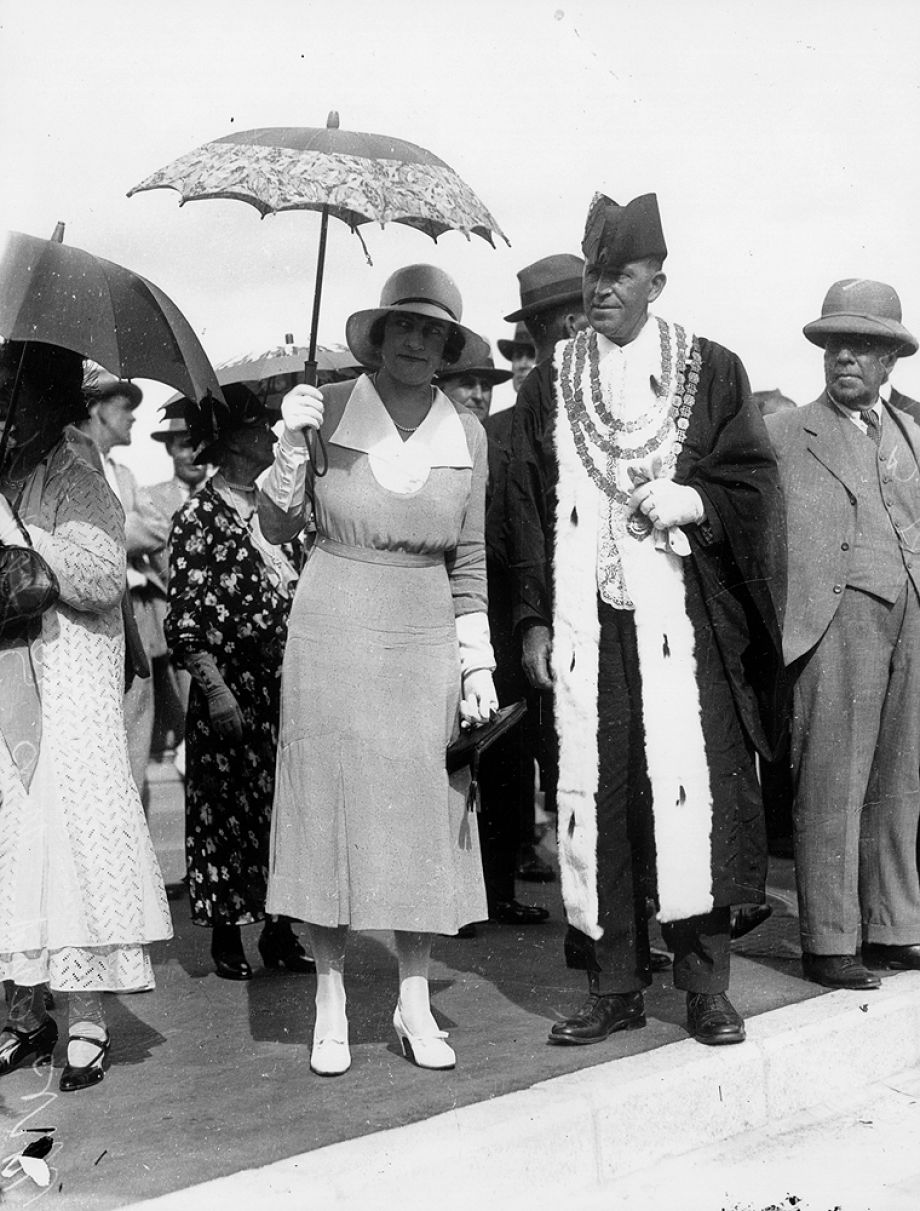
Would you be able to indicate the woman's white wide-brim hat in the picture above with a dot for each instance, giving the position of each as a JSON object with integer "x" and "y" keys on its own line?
{"x": 418, "y": 290}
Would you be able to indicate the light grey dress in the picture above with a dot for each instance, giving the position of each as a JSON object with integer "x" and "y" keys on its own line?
{"x": 367, "y": 830}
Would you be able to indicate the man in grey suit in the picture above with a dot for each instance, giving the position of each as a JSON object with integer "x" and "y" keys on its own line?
{"x": 850, "y": 468}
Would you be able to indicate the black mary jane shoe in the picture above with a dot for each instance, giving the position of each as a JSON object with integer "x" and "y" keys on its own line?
{"x": 279, "y": 947}
{"x": 227, "y": 953}
{"x": 712, "y": 1019}
{"x": 81, "y": 1076}
{"x": 38, "y": 1043}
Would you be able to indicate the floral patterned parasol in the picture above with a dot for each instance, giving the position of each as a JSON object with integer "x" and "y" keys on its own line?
{"x": 352, "y": 176}
{"x": 360, "y": 178}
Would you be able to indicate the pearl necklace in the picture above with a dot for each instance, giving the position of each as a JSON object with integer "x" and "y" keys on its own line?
{"x": 402, "y": 428}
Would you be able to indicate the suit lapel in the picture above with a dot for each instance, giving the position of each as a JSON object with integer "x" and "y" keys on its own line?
{"x": 824, "y": 437}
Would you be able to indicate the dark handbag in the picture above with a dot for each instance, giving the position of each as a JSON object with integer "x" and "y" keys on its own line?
{"x": 28, "y": 587}
{"x": 473, "y": 742}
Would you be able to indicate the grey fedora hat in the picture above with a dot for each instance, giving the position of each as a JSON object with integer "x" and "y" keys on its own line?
{"x": 551, "y": 280}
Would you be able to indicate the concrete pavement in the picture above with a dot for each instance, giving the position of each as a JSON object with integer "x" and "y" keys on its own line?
{"x": 209, "y": 1100}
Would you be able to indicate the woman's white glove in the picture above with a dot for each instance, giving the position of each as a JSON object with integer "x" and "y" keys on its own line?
{"x": 474, "y": 642}
{"x": 479, "y": 701}
{"x": 302, "y": 408}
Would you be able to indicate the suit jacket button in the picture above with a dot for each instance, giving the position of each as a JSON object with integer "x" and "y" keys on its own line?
{"x": 838, "y": 588}
{"x": 844, "y": 546}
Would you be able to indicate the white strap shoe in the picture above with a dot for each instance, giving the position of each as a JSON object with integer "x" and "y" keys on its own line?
{"x": 424, "y": 1050}
{"x": 330, "y": 1057}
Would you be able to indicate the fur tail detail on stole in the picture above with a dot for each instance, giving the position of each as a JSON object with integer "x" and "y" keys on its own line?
{"x": 576, "y": 635}
{"x": 674, "y": 745}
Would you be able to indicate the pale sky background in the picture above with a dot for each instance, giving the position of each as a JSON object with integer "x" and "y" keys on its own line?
{"x": 780, "y": 138}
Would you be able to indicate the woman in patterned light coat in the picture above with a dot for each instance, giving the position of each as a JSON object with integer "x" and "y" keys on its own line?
{"x": 81, "y": 893}
{"x": 229, "y": 596}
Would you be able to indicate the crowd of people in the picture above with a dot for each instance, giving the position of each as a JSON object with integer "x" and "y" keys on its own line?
{"x": 707, "y": 599}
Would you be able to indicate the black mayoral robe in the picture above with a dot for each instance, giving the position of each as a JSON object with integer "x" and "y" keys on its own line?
{"x": 733, "y": 590}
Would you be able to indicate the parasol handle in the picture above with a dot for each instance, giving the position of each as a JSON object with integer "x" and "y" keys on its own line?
{"x": 316, "y": 446}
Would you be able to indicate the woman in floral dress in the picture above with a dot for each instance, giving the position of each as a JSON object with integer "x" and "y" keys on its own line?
{"x": 229, "y": 596}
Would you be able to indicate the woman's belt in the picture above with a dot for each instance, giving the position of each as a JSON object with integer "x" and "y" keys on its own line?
{"x": 400, "y": 559}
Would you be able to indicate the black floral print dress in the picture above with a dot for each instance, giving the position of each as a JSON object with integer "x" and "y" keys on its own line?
{"x": 223, "y": 601}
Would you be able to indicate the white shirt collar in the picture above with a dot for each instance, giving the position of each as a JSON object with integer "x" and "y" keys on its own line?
{"x": 644, "y": 345}
{"x": 111, "y": 475}
{"x": 856, "y": 415}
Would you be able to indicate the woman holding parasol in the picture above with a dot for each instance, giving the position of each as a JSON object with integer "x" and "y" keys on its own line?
{"x": 388, "y": 647}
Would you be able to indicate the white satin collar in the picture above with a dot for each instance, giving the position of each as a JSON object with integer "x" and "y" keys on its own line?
{"x": 366, "y": 425}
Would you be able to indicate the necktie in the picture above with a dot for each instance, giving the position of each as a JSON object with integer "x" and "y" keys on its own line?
{"x": 873, "y": 429}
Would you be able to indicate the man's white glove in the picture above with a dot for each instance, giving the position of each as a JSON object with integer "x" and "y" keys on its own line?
{"x": 667, "y": 504}
{"x": 302, "y": 408}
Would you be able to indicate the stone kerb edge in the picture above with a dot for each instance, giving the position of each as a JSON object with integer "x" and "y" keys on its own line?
{"x": 602, "y": 1123}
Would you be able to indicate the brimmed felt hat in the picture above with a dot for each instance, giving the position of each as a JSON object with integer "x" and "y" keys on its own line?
{"x": 615, "y": 234}
{"x": 483, "y": 368}
{"x": 174, "y": 426}
{"x": 100, "y": 384}
{"x": 208, "y": 420}
{"x": 547, "y": 282}
{"x": 416, "y": 290}
{"x": 863, "y": 307}
{"x": 521, "y": 340}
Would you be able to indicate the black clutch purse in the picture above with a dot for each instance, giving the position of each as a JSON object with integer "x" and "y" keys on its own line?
{"x": 473, "y": 742}
{"x": 28, "y": 587}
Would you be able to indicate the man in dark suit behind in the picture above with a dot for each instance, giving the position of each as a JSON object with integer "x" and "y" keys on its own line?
{"x": 904, "y": 402}
{"x": 850, "y": 469}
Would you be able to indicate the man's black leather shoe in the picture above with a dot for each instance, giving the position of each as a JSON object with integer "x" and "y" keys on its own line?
{"x": 511, "y": 912}
{"x": 713, "y": 1019}
{"x": 531, "y": 867}
{"x": 748, "y": 917}
{"x": 838, "y": 971}
{"x": 894, "y": 958}
{"x": 599, "y": 1017}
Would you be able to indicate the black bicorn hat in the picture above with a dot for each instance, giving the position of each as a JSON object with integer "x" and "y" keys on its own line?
{"x": 616, "y": 234}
